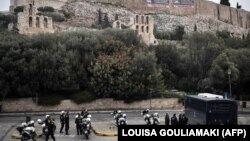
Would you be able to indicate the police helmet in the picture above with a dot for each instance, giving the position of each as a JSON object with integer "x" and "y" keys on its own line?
{"x": 88, "y": 119}
{"x": 24, "y": 124}
{"x": 62, "y": 112}
{"x": 124, "y": 115}
{"x": 89, "y": 116}
{"x": 39, "y": 121}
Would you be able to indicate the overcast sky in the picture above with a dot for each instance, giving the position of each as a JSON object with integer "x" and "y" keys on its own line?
{"x": 4, "y": 4}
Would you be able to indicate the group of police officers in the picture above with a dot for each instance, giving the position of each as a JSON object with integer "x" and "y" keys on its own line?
{"x": 64, "y": 120}
{"x": 183, "y": 120}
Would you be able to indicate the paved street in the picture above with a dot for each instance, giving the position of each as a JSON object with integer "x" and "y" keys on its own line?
{"x": 102, "y": 122}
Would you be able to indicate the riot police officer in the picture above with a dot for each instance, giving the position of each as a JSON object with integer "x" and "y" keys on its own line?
{"x": 166, "y": 119}
{"x": 62, "y": 121}
{"x": 51, "y": 126}
{"x": 174, "y": 120}
{"x": 77, "y": 122}
{"x": 66, "y": 120}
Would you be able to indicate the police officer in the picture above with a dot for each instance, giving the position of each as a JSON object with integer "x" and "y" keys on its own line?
{"x": 66, "y": 120}
{"x": 62, "y": 121}
{"x": 166, "y": 119}
{"x": 85, "y": 113}
{"x": 50, "y": 125}
{"x": 185, "y": 119}
{"x": 77, "y": 122}
{"x": 174, "y": 120}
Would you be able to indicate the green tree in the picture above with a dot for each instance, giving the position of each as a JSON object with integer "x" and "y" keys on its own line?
{"x": 202, "y": 49}
{"x": 99, "y": 17}
{"x": 219, "y": 72}
{"x": 225, "y": 2}
{"x": 106, "y": 22}
{"x": 168, "y": 58}
{"x": 195, "y": 28}
{"x": 178, "y": 33}
{"x": 18, "y": 9}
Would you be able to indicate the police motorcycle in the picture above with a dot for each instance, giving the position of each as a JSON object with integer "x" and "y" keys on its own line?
{"x": 27, "y": 131}
{"x": 156, "y": 119}
{"x": 147, "y": 117}
{"x": 122, "y": 120}
{"x": 119, "y": 118}
{"x": 45, "y": 129}
{"x": 85, "y": 126}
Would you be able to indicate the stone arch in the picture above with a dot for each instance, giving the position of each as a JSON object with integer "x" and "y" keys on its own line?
{"x": 30, "y": 22}
{"x": 142, "y": 19}
{"x": 37, "y": 22}
{"x": 137, "y": 27}
{"x": 137, "y": 19}
{"x": 142, "y": 28}
{"x": 45, "y": 23}
{"x": 147, "y": 20}
{"x": 147, "y": 29}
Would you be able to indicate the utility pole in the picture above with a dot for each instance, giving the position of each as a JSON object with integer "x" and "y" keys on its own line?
{"x": 229, "y": 79}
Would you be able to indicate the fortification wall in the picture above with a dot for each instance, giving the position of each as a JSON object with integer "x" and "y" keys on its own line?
{"x": 225, "y": 13}
{"x": 207, "y": 8}
{"x": 234, "y": 19}
{"x": 57, "y": 4}
{"x": 237, "y": 17}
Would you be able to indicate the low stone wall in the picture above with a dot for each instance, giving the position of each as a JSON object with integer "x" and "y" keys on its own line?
{"x": 27, "y": 105}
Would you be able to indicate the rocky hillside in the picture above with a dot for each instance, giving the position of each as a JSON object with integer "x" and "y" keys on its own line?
{"x": 84, "y": 14}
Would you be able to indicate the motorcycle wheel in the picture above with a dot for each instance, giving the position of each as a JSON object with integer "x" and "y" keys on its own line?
{"x": 87, "y": 136}
{"x": 24, "y": 139}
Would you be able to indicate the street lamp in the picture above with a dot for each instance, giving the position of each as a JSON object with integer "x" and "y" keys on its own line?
{"x": 150, "y": 97}
{"x": 229, "y": 79}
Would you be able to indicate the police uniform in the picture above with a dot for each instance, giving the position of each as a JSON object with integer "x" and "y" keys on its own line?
{"x": 67, "y": 123}
{"x": 62, "y": 120}
{"x": 50, "y": 125}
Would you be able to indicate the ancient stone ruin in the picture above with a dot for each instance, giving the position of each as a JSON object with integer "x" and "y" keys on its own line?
{"x": 28, "y": 22}
{"x": 143, "y": 24}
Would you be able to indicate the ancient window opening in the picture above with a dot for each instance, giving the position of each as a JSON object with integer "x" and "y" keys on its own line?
{"x": 45, "y": 22}
{"x": 142, "y": 19}
{"x": 137, "y": 19}
{"x": 147, "y": 20}
{"x": 37, "y": 22}
{"x": 30, "y": 21}
{"x": 147, "y": 29}
{"x": 142, "y": 29}
{"x": 117, "y": 24}
{"x": 137, "y": 27}
{"x": 30, "y": 9}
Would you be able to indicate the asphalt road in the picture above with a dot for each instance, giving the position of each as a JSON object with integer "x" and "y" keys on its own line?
{"x": 8, "y": 124}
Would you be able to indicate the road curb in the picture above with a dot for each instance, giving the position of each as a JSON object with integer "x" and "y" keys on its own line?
{"x": 105, "y": 134}
{"x": 18, "y": 136}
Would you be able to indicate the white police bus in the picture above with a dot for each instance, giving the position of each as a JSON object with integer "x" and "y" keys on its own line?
{"x": 210, "y": 109}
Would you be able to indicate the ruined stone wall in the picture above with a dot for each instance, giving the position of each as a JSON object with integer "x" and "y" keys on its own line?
{"x": 143, "y": 24}
{"x": 29, "y": 23}
{"x": 237, "y": 17}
